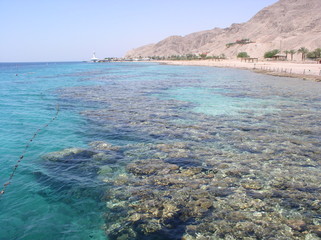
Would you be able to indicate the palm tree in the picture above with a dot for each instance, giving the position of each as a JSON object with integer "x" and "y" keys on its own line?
{"x": 286, "y": 54}
{"x": 317, "y": 52}
{"x": 304, "y": 52}
{"x": 292, "y": 52}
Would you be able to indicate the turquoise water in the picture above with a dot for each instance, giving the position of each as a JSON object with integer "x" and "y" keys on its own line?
{"x": 31, "y": 208}
{"x": 265, "y": 126}
{"x": 216, "y": 103}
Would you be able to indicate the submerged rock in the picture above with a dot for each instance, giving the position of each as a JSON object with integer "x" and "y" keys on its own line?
{"x": 105, "y": 158}
{"x": 68, "y": 154}
{"x": 104, "y": 170}
{"x": 188, "y": 175}
{"x": 149, "y": 167}
{"x": 297, "y": 225}
{"x": 316, "y": 229}
{"x": 100, "y": 145}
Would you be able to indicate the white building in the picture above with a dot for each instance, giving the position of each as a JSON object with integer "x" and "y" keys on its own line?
{"x": 94, "y": 59}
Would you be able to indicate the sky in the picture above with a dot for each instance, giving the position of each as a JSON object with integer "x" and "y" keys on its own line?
{"x": 71, "y": 30}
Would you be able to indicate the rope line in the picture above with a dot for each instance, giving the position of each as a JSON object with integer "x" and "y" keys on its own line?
{"x": 5, "y": 185}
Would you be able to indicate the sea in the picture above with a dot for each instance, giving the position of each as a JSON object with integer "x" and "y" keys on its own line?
{"x": 82, "y": 142}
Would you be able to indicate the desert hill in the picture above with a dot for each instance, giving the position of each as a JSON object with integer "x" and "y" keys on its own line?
{"x": 285, "y": 25}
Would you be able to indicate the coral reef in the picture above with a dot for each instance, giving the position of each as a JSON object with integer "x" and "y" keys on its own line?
{"x": 181, "y": 171}
{"x": 159, "y": 198}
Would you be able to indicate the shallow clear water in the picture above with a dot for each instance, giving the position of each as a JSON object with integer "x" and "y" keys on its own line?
{"x": 33, "y": 207}
{"x": 242, "y": 148}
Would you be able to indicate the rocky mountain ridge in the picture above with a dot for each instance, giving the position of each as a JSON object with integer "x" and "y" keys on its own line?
{"x": 285, "y": 25}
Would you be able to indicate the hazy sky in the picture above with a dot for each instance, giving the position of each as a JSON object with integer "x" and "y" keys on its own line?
{"x": 70, "y": 30}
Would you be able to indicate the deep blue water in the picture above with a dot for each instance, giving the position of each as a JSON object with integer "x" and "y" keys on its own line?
{"x": 46, "y": 201}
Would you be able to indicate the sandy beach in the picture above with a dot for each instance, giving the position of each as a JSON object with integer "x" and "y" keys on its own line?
{"x": 307, "y": 71}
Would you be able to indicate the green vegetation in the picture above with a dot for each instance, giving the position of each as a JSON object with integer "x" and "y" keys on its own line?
{"x": 183, "y": 57}
{"x": 317, "y": 52}
{"x": 287, "y": 52}
{"x": 203, "y": 55}
{"x": 175, "y": 57}
{"x": 157, "y": 58}
{"x": 221, "y": 56}
{"x": 271, "y": 54}
{"x": 304, "y": 51}
{"x": 243, "y": 55}
{"x": 314, "y": 54}
{"x": 292, "y": 52}
{"x": 241, "y": 42}
{"x": 189, "y": 56}
{"x": 229, "y": 44}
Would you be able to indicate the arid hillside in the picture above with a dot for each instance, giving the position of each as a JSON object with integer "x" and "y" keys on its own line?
{"x": 285, "y": 25}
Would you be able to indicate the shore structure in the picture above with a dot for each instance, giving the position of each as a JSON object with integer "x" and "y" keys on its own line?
{"x": 304, "y": 70}
{"x": 94, "y": 58}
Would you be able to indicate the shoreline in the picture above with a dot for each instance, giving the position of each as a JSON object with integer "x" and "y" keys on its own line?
{"x": 305, "y": 71}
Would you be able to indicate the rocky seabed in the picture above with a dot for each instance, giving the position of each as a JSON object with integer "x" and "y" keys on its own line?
{"x": 187, "y": 175}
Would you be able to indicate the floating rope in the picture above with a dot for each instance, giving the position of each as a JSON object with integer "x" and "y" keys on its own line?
{"x": 25, "y": 150}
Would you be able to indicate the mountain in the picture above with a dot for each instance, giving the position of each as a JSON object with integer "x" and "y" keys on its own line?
{"x": 285, "y": 25}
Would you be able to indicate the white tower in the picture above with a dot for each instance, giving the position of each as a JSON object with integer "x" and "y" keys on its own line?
{"x": 94, "y": 59}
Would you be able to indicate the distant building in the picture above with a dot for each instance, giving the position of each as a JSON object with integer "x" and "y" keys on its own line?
{"x": 279, "y": 57}
{"x": 94, "y": 59}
